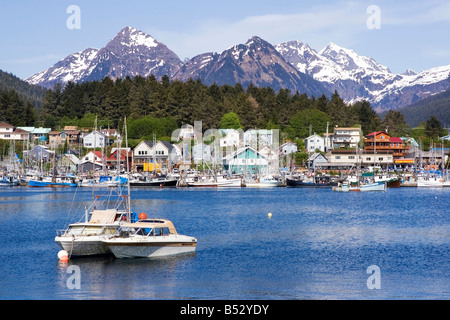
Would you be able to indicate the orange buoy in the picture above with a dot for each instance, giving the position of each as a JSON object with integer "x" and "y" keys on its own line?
{"x": 63, "y": 256}
{"x": 142, "y": 216}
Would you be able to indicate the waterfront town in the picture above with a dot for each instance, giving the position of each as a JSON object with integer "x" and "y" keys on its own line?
{"x": 35, "y": 153}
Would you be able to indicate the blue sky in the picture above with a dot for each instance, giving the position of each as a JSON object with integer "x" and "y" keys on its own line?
{"x": 412, "y": 34}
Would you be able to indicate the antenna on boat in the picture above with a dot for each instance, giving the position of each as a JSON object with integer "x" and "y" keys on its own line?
{"x": 128, "y": 171}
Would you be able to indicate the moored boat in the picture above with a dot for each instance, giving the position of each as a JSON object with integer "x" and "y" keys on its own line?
{"x": 149, "y": 239}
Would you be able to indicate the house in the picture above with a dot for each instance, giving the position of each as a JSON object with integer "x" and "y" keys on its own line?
{"x": 72, "y": 134}
{"x": 95, "y": 139}
{"x": 246, "y": 160}
{"x": 124, "y": 159}
{"x": 148, "y": 155}
{"x": 39, "y": 154}
{"x": 316, "y": 160}
{"x": 232, "y": 138}
{"x": 9, "y": 132}
{"x": 315, "y": 142}
{"x": 381, "y": 141}
{"x": 39, "y": 134}
{"x": 346, "y": 159}
{"x": 93, "y": 161}
{"x": 110, "y": 133}
{"x": 344, "y": 137}
{"x": 68, "y": 163}
{"x": 258, "y": 138}
{"x": 202, "y": 153}
{"x": 288, "y": 148}
{"x": 55, "y": 138}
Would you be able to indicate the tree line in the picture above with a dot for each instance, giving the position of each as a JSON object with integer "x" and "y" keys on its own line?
{"x": 159, "y": 107}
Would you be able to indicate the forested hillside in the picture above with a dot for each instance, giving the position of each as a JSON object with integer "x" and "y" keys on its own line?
{"x": 437, "y": 105}
{"x": 186, "y": 102}
{"x": 26, "y": 91}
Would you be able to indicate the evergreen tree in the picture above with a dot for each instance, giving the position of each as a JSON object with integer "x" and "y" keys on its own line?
{"x": 433, "y": 127}
{"x": 394, "y": 123}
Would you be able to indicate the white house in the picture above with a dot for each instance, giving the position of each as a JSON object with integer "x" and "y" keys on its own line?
{"x": 314, "y": 142}
{"x": 147, "y": 153}
{"x": 202, "y": 153}
{"x": 9, "y": 132}
{"x": 258, "y": 138}
{"x": 346, "y": 137}
{"x": 95, "y": 139}
{"x": 232, "y": 138}
{"x": 288, "y": 148}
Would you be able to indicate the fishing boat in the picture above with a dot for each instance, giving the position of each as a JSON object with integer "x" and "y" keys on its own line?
{"x": 54, "y": 182}
{"x": 162, "y": 181}
{"x": 430, "y": 182}
{"x": 85, "y": 238}
{"x": 9, "y": 181}
{"x": 264, "y": 182}
{"x": 318, "y": 181}
{"x": 361, "y": 186}
{"x": 103, "y": 181}
{"x": 149, "y": 239}
{"x": 107, "y": 211}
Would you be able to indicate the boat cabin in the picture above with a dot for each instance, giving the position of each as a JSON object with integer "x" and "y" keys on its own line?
{"x": 148, "y": 227}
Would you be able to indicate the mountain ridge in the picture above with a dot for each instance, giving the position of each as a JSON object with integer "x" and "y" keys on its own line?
{"x": 292, "y": 65}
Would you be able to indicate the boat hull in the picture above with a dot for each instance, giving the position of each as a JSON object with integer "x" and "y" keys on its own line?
{"x": 34, "y": 183}
{"x": 430, "y": 183}
{"x": 125, "y": 248}
{"x": 162, "y": 183}
{"x": 83, "y": 246}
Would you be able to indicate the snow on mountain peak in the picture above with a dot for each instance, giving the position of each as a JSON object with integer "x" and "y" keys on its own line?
{"x": 132, "y": 37}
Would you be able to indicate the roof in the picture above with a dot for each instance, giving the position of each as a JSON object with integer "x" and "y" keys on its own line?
{"x": 376, "y": 133}
{"x": 396, "y": 139}
{"x": 41, "y": 130}
{"x": 152, "y": 223}
{"x": 5, "y": 125}
{"x": 103, "y": 216}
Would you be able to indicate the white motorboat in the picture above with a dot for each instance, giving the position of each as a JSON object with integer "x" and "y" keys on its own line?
{"x": 430, "y": 182}
{"x": 85, "y": 238}
{"x": 149, "y": 239}
{"x": 264, "y": 182}
{"x": 361, "y": 187}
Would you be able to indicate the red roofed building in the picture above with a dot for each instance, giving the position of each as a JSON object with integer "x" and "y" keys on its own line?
{"x": 381, "y": 141}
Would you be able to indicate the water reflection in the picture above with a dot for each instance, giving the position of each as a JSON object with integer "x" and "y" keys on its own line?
{"x": 106, "y": 277}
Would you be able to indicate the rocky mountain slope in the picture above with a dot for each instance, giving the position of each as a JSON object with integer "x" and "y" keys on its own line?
{"x": 292, "y": 65}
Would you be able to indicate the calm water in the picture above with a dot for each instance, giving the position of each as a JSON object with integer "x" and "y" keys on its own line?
{"x": 318, "y": 244}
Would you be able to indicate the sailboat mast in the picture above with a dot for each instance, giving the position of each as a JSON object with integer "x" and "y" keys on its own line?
{"x": 128, "y": 173}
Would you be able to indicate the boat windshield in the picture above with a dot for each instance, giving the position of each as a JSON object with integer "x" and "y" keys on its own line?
{"x": 90, "y": 230}
{"x": 150, "y": 231}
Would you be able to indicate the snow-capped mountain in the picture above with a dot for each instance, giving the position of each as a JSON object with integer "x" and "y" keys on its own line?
{"x": 356, "y": 77}
{"x": 256, "y": 62}
{"x": 72, "y": 68}
{"x": 130, "y": 53}
{"x": 292, "y": 65}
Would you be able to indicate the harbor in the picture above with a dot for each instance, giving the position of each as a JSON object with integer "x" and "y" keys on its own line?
{"x": 315, "y": 244}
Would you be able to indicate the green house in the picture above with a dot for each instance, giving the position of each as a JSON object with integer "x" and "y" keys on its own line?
{"x": 246, "y": 160}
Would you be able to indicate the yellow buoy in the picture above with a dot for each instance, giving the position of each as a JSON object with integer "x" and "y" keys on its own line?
{"x": 269, "y": 215}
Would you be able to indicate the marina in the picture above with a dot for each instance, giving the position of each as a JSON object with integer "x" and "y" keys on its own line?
{"x": 314, "y": 244}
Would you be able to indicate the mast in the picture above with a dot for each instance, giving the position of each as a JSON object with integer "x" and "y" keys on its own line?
{"x": 128, "y": 173}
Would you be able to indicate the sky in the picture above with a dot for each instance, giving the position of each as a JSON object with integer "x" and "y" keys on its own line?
{"x": 35, "y": 34}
